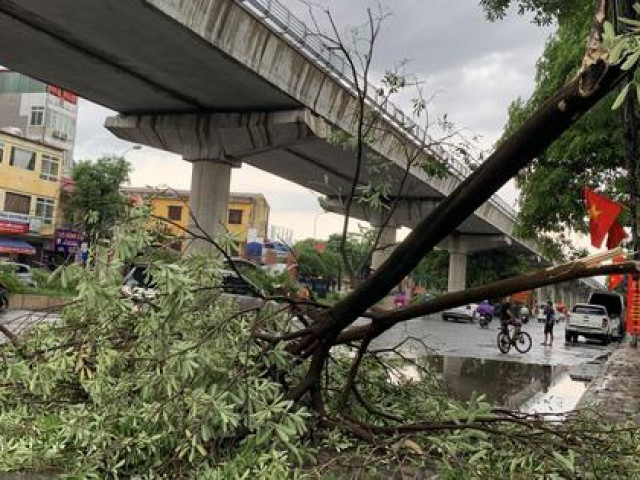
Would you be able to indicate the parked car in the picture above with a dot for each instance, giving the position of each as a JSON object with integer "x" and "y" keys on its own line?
{"x": 139, "y": 285}
{"x": 592, "y": 322}
{"x": 22, "y": 272}
{"x": 464, "y": 312}
{"x": 615, "y": 304}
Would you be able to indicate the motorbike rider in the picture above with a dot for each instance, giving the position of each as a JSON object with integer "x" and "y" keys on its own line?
{"x": 524, "y": 313}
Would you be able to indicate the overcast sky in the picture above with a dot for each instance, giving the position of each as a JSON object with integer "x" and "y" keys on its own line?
{"x": 475, "y": 68}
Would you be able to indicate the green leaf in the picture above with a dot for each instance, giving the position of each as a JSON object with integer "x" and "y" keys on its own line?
{"x": 631, "y": 61}
{"x": 615, "y": 53}
{"x": 621, "y": 97}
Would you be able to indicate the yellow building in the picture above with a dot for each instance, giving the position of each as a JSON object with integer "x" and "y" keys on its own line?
{"x": 30, "y": 184}
{"x": 248, "y": 213}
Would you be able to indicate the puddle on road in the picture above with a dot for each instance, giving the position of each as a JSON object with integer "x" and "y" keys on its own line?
{"x": 527, "y": 387}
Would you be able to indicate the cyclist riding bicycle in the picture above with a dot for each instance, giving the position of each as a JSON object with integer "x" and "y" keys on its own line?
{"x": 507, "y": 317}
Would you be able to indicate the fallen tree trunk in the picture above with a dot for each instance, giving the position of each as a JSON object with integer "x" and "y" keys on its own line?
{"x": 570, "y": 271}
{"x": 547, "y": 123}
{"x": 537, "y": 133}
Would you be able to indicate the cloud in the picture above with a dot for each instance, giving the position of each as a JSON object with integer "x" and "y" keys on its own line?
{"x": 476, "y": 67}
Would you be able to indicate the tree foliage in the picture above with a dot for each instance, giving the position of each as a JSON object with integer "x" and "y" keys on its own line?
{"x": 181, "y": 387}
{"x": 587, "y": 154}
{"x": 330, "y": 262}
{"x": 544, "y": 11}
{"x": 482, "y": 268}
{"x": 96, "y": 200}
{"x": 187, "y": 386}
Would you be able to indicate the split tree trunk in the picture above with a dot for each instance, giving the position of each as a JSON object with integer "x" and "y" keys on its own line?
{"x": 548, "y": 122}
{"x": 535, "y": 135}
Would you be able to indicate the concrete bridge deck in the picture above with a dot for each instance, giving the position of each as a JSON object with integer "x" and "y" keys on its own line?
{"x": 222, "y": 82}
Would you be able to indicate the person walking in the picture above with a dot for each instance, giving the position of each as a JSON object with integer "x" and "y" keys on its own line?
{"x": 549, "y": 322}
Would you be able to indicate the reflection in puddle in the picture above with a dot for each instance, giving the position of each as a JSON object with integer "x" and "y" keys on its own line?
{"x": 528, "y": 387}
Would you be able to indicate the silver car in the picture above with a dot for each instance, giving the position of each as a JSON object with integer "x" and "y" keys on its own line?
{"x": 465, "y": 312}
{"x": 21, "y": 271}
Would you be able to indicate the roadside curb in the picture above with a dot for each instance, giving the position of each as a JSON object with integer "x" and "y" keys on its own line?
{"x": 615, "y": 392}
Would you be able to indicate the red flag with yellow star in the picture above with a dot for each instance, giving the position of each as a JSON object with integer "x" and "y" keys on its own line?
{"x": 602, "y": 213}
{"x": 616, "y": 235}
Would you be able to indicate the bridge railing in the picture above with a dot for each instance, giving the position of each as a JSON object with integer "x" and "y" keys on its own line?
{"x": 279, "y": 17}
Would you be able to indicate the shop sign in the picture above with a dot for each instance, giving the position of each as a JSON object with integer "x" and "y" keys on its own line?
{"x": 8, "y": 226}
{"x": 67, "y": 239}
{"x": 66, "y": 95}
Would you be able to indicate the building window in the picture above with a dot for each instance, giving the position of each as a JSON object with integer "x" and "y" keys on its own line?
{"x": 16, "y": 203}
{"x": 174, "y": 212}
{"x": 1, "y": 151}
{"x": 50, "y": 168}
{"x": 235, "y": 217}
{"x": 23, "y": 158}
{"x": 44, "y": 210}
{"x": 37, "y": 116}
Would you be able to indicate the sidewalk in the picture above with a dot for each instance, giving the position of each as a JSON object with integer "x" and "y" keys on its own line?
{"x": 615, "y": 392}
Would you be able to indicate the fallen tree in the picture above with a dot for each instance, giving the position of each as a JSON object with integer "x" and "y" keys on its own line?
{"x": 186, "y": 386}
{"x": 565, "y": 107}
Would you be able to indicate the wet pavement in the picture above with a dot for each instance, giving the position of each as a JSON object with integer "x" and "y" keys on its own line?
{"x": 432, "y": 335}
{"x": 544, "y": 380}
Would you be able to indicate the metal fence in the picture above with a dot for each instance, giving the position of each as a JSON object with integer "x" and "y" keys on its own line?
{"x": 279, "y": 18}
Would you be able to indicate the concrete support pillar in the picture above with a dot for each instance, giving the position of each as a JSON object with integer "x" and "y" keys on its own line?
{"x": 457, "y": 271}
{"x": 385, "y": 246}
{"x": 209, "y": 201}
{"x": 459, "y": 246}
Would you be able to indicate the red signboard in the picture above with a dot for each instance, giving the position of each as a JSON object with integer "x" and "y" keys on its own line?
{"x": 633, "y": 305}
{"x": 13, "y": 227}
{"x": 66, "y": 95}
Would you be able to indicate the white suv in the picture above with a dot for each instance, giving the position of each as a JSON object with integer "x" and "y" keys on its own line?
{"x": 591, "y": 321}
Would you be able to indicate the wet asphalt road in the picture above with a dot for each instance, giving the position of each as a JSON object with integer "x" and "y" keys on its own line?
{"x": 464, "y": 339}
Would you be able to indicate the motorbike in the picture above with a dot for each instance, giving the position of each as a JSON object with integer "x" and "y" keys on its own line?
{"x": 484, "y": 320}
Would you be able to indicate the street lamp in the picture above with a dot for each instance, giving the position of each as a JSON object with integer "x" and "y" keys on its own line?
{"x": 124, "y": 155}
{"x": 315, "y": 224}
{"x": 128, "y": 149}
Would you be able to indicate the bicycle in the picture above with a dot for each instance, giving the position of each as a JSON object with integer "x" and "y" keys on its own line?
{"x": 520, "y": 340}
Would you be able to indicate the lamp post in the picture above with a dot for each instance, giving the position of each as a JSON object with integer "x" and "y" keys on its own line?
{"x": 124, "y": 155}
{"x": 315, "y": 224}
{"x": 129, "y": 149}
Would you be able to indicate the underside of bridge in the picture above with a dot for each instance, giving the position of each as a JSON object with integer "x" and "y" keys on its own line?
{"x": 209, "y": 80}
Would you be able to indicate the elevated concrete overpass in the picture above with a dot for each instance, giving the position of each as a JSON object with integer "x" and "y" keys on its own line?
{"x": 228, "y": 81}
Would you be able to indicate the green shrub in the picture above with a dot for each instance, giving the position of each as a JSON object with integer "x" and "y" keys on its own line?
{"x": 11, "y": 282}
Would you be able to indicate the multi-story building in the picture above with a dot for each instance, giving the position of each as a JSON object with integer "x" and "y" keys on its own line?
{"x": 40, "y": 112}
{"x": 30, "y": 186}
{"x": 247, "y": 219}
